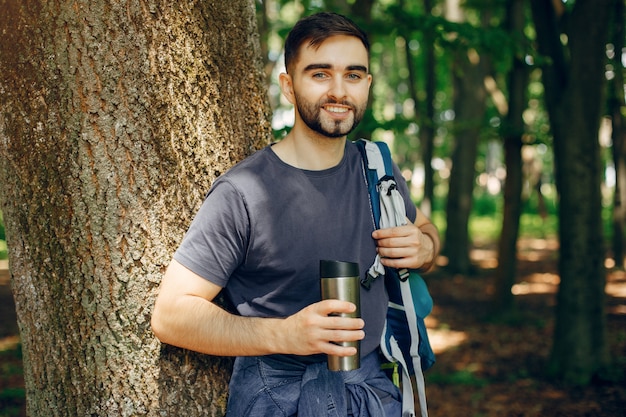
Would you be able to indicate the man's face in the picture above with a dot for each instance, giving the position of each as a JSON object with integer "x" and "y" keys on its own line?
{"x": 331, "y": 85}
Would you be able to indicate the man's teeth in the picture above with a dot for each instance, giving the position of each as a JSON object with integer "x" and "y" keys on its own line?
{"x": 334, "y": 109}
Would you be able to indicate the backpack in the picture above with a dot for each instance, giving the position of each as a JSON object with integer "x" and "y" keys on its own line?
{"x": 404, "y": 340}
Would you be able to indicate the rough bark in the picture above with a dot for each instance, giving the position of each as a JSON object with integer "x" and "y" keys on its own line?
{"x": 574, "y": 80}
{"x": 115, "y": 118}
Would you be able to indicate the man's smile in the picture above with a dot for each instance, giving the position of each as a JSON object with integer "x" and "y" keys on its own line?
{"x": 337, "y": 110}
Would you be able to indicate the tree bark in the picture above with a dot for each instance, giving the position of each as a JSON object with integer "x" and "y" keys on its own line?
{"x": 115, "y": 118}
{"x": 574, "y": 81}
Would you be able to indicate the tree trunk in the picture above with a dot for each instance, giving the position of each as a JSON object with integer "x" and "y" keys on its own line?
{"x": 425, "y": 109}
{"x": 470, "y": 105}
{"x": 427, "y": 132}
{"x": 470, "y": 109}
{"x": 573, "y": 89}
{"x": 513, "y": 129}
{"x": 115, "y": 117}
{"x": 616, "y": 110}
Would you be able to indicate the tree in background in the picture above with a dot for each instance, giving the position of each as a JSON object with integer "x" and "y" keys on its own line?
{"x": 512, "y": 132}
{"x": 470, "y": 102}
{"x": 115, "y": 117}
{"x": 616, "y": 110}
{"x": 416, "y": 25}
{"x": 427, "y": 133}
{"x": 573, "y": 40}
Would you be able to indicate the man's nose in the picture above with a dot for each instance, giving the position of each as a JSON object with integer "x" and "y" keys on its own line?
{"x": 337, "y": 89}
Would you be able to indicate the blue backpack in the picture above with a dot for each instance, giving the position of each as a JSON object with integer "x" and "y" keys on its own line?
{"x": 405, "y": 340}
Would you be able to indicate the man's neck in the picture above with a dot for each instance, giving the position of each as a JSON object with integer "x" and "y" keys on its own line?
{"x": 311, "y": 152}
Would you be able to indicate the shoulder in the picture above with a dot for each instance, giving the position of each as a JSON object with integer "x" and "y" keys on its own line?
{"x": 253, "y": 165}
{"x": 250, "y": 178}
{"x": 259, "y": 157}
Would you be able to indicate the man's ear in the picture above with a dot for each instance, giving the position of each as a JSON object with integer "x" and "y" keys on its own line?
{"x": 286, "y": 86}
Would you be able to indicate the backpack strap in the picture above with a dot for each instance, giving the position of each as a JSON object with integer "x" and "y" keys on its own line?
{"x": 378, "y": 173}
{"x": 379, "y": 158}
{"x": 402, "y": 318}
{"x": 374, "y": 168}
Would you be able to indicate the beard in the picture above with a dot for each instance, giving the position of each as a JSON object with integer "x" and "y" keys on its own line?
{"x": 311, "y": 114}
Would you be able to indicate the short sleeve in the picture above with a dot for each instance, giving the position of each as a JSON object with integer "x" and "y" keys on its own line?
{"x": 216, "y": 241}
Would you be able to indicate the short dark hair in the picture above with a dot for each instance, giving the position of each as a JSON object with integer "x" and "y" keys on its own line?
{"x": 316, "y": 29}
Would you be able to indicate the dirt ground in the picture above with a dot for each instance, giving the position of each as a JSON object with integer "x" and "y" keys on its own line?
{"x": 495, "y": 368}
{"x": 485, "y": 367}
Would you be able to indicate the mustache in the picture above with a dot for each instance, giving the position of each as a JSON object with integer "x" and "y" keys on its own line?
{"x": 347, "y": 103}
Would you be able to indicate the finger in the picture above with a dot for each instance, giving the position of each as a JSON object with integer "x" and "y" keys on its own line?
{"x": 337, "y": 341}
{"x": 328, "y": 307}
{"x": 395, "y": 231}
{"x": 338, "y": 350}
{"x": 395, "y": 252}
{"x": 391, "y": 243}
{"x": 340, "y": 336}
{"x": 385, "y": 233}
{"x": 396, "y": 263}
{"x": 344, "y": 323}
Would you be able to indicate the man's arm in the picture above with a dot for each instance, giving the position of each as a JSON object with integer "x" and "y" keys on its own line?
{"x": 412, "y": 246}
{"x": 185, "y": 316}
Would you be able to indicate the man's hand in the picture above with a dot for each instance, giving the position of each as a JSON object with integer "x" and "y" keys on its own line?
{"x": 314, "y": 329}
{"x": 406, "y": 246}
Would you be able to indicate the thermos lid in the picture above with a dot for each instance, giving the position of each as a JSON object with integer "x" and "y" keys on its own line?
{"x": 332, "y": 269}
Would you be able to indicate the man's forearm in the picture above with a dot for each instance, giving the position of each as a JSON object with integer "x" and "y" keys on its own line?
{"x": 214, "y": 331}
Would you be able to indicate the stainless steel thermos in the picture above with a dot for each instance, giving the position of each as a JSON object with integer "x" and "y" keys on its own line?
{"x": 340, "y": 281}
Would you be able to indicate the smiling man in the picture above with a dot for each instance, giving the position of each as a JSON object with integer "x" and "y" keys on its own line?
{"x": 264, "y": 227}
{"x": 338, "y": 85}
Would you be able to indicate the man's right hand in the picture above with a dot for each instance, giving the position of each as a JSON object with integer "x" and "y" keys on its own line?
{"x": 314, "y": 329}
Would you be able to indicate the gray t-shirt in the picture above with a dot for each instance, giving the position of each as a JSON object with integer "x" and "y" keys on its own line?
{"x": 265, "y": 225}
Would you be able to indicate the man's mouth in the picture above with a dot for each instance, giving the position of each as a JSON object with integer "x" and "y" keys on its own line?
{"x": 336, "y": 109}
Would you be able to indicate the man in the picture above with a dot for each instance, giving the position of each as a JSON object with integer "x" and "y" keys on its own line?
{"x": 262, "y": 231}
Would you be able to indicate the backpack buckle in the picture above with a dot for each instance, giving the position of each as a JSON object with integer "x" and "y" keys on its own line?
{"x": 403, "y": 274}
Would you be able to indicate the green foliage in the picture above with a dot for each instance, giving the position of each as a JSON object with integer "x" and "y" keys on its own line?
{"x": 486, "y": 204}
{"x": 485, "y": 228}
{"x": 12, "y": 395}
{"x": 12, "y": 398}
{"x": 9, "y": 410}
{"x": 485, "y": 221}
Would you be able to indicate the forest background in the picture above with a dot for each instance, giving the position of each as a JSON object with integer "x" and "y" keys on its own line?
{"x": 507, "y": 118}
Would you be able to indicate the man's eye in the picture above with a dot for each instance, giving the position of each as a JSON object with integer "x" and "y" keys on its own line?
{"x": 354, "y": 76}
{"x": 319, "y": 75}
